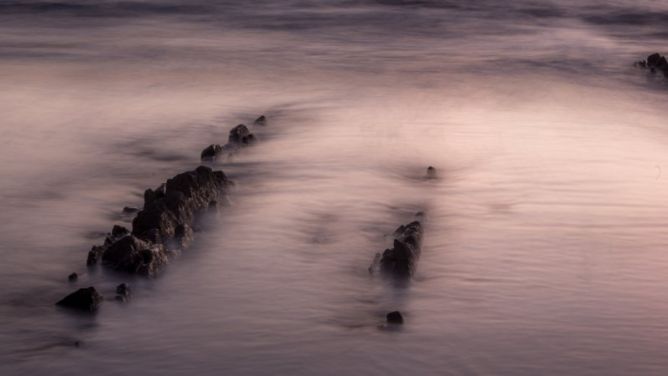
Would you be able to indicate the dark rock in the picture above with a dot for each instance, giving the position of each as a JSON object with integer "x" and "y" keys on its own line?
{"x": 655, "y": 62}
{"x": 240, "y": 135}
{"x": 130, "y": 210}
{"x": 401, "y": 259}
{"x": 186, "y": 194}
{"x": 123, "y": 292}
{"x": 133, "y": 255}
{"x": 73, "y": 277}
{"x": 86, "y": 299}
{"x": 119, "y": 231}
{"x": 395, "y": 317}
{"x": 94, "y": 255}
{"x": 211, "y": 152}
{"x": 166, "y": 222}
{"x": 262, "y": 121}
{"x": 431, "y": 172}
{"x": 183, "y": 235}
{"x": 151, "y": 195}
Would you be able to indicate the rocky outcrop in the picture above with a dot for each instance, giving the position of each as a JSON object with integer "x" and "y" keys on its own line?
{"x": 655, "y": 62}
{"x": 400, "y": 261}
{"x": 240, "y": 136}
{"x": 163, "y": 225}
{"x": 86, "y": 299}
{"x": 262, "y": 121}
{"x": 395, "y": 318}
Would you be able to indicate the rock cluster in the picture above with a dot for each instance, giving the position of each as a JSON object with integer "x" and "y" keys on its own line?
{"x": 655, "y": 62}
{"x": 164, "y": 224}
{"x": 240, "y": 136}
{"x": 400, "y": 261}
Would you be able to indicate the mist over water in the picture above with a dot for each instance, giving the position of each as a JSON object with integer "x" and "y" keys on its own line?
{"x": 545, "y": 234}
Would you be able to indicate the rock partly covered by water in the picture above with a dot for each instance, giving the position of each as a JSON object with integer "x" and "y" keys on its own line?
{"x": 655, "y": 62}
{"x": 431, "y": 172}
{"x": 400, "y": 260}
{"x": 86, "y": 299}
{"x": 395, "y": 317}
{"x": 165, "y": 223}
{"x": 262, "y": 121}
{"x": 123, "y": 292}
{"x": 239, "y": 136}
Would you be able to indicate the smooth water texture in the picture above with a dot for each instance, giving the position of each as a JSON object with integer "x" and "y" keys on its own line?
{"x": 546, "y": 242}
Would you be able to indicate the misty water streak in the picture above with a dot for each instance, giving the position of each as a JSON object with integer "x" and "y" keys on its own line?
{"x": 545, "y": 247}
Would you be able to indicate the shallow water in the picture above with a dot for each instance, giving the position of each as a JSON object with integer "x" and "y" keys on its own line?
{"x": 544, "y": 249}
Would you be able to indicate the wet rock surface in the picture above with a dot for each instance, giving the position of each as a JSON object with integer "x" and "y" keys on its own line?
{"x": 401, "y": 260}
{"x": 163, "y": 224}
{"x": 85, "y": 299}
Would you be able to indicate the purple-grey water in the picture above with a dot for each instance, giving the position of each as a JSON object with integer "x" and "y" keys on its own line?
{"x": 546, "y": 233}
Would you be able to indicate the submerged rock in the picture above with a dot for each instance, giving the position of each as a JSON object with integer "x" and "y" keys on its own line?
{"x": 655, "y": 62}
{"x": 130, "y": 210}
{"x": 394, "y": 317}
{"x": 431, "y": 172}
{"x": 123, "y": 292}
{"x": 73, "y": 277}
{"x": 262, "y": 121}
{"x": 86, "y": 299}
{"x": 211, "y": 152}
{"x": 241, "y": 135}
{"x": 401, "y": 259}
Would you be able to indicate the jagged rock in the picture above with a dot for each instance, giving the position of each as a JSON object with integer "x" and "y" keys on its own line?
{"x": 262, "y": 121}
{"x": 185, "y": 195}
{"x": 165, "y": 223}
{"x": 86, "y": 299}
{"x": 73, "y": 277}
{"x": 394, "y": 317}
{"x": 401, "y": 259}
{"x": 655, "y": 62}
{"x": 211, "y": 152}
{"x": 133, "y": 255}
{"x": 240, "y": 135}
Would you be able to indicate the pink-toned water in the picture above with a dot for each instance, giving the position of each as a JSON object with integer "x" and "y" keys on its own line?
{"x": 545, "y": 249}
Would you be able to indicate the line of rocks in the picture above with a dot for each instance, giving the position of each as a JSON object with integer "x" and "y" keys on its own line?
{"x": 171, "y": 214}
{"x": 655, "y": 63}
{"x": 240, "y": 136}
{"x": 400, "y": 262}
